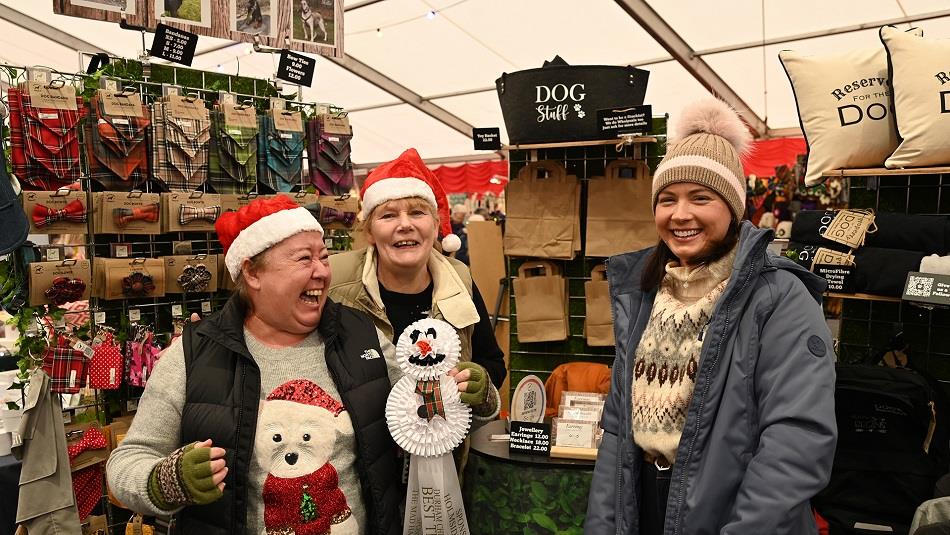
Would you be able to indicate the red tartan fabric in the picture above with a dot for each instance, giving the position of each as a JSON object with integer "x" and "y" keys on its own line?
{"x": 431, "y": 392}
{"x": 74, "y": 211}
{"x": 117, "y": 151}
{"x": 44, "y": 143}
{"x": 66, "y": 368}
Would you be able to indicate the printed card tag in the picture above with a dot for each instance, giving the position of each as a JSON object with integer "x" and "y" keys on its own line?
{"x": 287, "y": 121}
{"x": 112, "y": 376}
{"x": 100, "y": 318}
{"x": 83, "y": 348}
{"x": 135, "y": 314}
{"x": 72, "y": 378}
{"x": 121, "y": 104}
{"x": 849, "y": 227}
{"x": 176, "y": 311}
{"x": 45, "y": 96}
{"x": 47, "y": 116}
{"x": 831, "y": 258}
{"x": 187, "y": 108}
{"x": 133, "y": 404}
{"x": 243, "y": 116}
{"x": 206, "y": 307}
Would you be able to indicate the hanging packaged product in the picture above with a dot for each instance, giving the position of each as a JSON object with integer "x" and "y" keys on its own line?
{"x": 116, "y": 147}
{"x": 191, "y": 212}
{"x": 543, "y": 213}
{"x": 120, "y": 278}
{"x": 280, "y": 150}
{"x": 598, "y": 321}
{"x": 232, "y": 164}
{"x": 58, "y": 283}
{"x": 191, "y": 274}
{"x": 338, "y": 212}
{"x": 44, "y": 134}
{"x": 143, "y": 354}
{"x": 619, "y": 213}
{"x": 233, "y": 202}
{"x": 181, "y": 135}
{"x": 107, "y": 364}
{"x": 331, "y": 168}
{"x": 65, "y": 365}
{"x": 56, "y": 212}
{"x": 541, "y": 302}
{"x": 128, "y": 213}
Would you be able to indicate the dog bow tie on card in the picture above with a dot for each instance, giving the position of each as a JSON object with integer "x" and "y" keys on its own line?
{"x": 431, "y": 393}
{"x": 332, "y": 215}
{"x": 74, "y": 211}
{"x": 92, "y": 439}
{"x": 124, "y": 216}
{"x": 187, "y": 213}
{"x": 65, "y": 290}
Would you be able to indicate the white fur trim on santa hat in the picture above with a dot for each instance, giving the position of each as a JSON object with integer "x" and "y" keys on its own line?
{"x": 267, "y": 231}
{"x": 390, "y": 189}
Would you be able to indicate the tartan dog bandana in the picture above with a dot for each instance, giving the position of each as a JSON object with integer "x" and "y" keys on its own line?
{"x": 116, "y": 147}
{"x": 124, "y": 216}
{"x": 179, "y": 149}
{"x": 332, "y": 215}
{"x": 188, "y": 214}
{"x": 44, "y": 143}
{"x": 74, "y": 211}
{"x": 431, "y": 393}
{"x": 66, "y": 368}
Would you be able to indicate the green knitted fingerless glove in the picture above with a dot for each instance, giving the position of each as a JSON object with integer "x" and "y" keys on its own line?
{"x": 183, "y": 478}
{"x": 477, "y": 389}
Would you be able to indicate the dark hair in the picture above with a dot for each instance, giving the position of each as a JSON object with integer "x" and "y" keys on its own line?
{"x": 655, "y": 269}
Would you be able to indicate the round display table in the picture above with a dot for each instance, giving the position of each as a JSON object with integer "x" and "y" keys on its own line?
{"x": 514, "y": 493}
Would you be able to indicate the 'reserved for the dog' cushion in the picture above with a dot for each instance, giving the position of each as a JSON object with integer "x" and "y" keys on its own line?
{"x": 844, "y": 108}
{"x": 920, "y": 70}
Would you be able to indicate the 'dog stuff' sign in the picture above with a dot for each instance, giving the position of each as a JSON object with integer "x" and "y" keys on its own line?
{"x": 559, "y": 102}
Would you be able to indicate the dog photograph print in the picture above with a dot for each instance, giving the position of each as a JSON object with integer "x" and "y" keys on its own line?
{"x": 128, "y": 6}
{"x": 252, "y": 16}
{"x": 314, "y": 21}
{"x": 196, "y": 12}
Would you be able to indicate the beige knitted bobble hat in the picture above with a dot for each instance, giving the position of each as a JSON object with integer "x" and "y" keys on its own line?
{"x": 706, "y": 148}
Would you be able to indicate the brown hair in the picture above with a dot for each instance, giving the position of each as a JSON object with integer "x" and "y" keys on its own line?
{"x": 655, "y": 269}
{"x": 255, "y": 263}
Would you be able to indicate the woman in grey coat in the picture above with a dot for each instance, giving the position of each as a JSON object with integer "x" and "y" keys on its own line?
{"x": 720, "y": 417}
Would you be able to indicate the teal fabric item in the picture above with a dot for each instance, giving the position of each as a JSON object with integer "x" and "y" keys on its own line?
{"x": 279, "y": 156}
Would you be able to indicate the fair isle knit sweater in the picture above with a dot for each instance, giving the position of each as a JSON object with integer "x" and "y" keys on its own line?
{"x": 667, "y": 356}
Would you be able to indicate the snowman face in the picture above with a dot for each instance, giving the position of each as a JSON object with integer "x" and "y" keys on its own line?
{"x": 428, "y": 348}
{"x": 293, "y": 439}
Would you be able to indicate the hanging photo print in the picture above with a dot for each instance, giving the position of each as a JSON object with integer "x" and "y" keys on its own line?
{"x": 196, "y": 12}
{"x": 254, "y": 17}
{"x": 313, "y": 21}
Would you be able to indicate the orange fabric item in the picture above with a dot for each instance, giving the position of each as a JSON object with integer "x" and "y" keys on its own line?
{"x": 575, "y": 377}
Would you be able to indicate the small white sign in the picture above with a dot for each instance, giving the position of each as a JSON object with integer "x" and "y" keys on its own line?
{"x": 135, "y": 314}
{"x": 206, "y": 307}
{"x": 528, "y": 401}
{"x": 176, "y": 311}
{"x": 100, "y": 318}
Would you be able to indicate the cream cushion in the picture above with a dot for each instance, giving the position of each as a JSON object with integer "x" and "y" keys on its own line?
{"x": 844, "y": 108}
{"x": 920, "y": 69}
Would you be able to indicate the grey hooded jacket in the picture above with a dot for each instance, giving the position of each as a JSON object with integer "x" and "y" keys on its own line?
{"x": 760, "y": 430}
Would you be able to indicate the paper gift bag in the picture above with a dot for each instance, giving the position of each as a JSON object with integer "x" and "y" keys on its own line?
{"x": 598, "y": 323}
{"x": 542, "y": 219}
{"x": 541, "y": 302}
{"x": 619, "y": 211}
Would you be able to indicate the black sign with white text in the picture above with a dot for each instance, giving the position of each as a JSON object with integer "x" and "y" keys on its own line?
{"x": 487, "y": 138}
{"x": 840, "y": 278}
{"x": 927, "y": 288}
{"x": 632, "y": 120}
{"x": 296, "y": 68}
{"x": 530, "y": 438}
{"x": 175, "y": 45}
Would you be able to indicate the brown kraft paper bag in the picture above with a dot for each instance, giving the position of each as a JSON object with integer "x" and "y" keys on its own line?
{"x": 542, "y": 219}
{"x": 598, "y": 322}
{"x": 541, "y": 302}
{"x": 619, "y": 211}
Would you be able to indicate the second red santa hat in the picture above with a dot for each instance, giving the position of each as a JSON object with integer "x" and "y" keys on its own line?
{"x": 408, "y": 176}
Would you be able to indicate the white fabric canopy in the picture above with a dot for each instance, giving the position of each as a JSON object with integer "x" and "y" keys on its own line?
{"x": 469, "y": 43}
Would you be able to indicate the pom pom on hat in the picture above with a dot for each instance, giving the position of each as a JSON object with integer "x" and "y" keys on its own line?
{"x": 259, "y": 225}
{"x": 308, "y": 393}
{"x": 707, "y": 147}
{"x": 408, "y": 176}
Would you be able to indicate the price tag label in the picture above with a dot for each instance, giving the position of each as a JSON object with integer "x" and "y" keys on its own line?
{"x": 206, "y": 307}
{"x": 52, "y": 254}
{"x": 296, "y": 68}
{"x": 67, "y": 417}
{"x": 176, "y": 311}
{"x": 486, "y": 138}
{"x": 175, "y": 45}
{"x": 100, "y": 318}
{"x": 632, "y": 120}
{"x": 530, "y": 438}
{"x": 83, "y": 348}
{"x": 121, "y": 251}
{"x": 132, "y": 405}
{"x": 135, "y": 314}
{"x": 59, "y": 323}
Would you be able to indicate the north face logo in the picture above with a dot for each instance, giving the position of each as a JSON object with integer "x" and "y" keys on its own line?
{"x": 370, "y": 354}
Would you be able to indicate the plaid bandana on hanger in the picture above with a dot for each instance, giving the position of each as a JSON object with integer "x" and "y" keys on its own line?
{"x": 44, "y": 143}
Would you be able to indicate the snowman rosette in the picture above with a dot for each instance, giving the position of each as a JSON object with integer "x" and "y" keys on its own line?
{"x": 427, "y": 418}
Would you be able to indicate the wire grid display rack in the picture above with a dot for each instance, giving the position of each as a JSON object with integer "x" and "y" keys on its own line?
{"x": 541, "y": 358}
{"x": 158, "y": 312}
{"x": 869, "y": 326}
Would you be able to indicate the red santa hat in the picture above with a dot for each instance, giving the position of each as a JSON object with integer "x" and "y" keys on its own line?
{"x": 408, "y": 176}
{"x": 258, "y": 225}
{"x": 308, "y": 393}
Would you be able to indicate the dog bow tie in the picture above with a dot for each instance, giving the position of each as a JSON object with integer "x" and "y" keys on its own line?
{"x": 187, "y": 214}
{"x": 124, "y": 216}
{"x": 431, "y": 392}
{"x": 73, "y": 211}
{"x": 92, "y": 439}
{"x": 332, "y": 215}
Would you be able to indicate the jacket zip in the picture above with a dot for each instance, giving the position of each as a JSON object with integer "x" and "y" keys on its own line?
{"x": 702, "y": 400}
{"x": 619, "y": 514}
{"x": 238, "y": 435}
